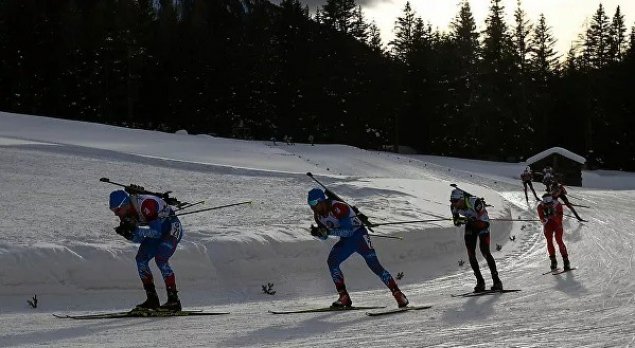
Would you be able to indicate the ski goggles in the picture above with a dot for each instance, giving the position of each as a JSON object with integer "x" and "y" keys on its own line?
{"x": 315, "y": 202}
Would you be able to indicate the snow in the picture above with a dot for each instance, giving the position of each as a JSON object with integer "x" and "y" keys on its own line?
{"x": 57, "y": 242}
{"x": 563, "y": 152}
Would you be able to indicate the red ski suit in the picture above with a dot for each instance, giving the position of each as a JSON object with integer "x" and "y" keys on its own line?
{"x": 551, "y": 217}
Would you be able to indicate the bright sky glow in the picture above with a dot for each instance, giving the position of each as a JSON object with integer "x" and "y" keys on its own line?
{"x": 567, "y": 18}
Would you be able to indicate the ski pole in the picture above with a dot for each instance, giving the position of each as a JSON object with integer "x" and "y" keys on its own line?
{"x": 213, "y": 208}
{"x": 332, "y": 194}
{"x": 190, "y": 205}
{"x": 409, "y": 222}
{"x": 384, "y": 236}
{"x": 515, "y": 219}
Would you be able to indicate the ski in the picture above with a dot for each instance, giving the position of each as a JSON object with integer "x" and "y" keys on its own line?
{"x": 486, "y": 292}
{"x": 558, "y": 271}
{"x": 326, "y": 309}
{"x": 397, "y": 310}
{"x": 139, "y": 314}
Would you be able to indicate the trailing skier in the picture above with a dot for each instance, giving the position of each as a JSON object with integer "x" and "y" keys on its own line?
{"x": 149, "y": 220}
{"x": 550, "y": 213}
{"x": 476, "y": 222}
{"x": 558, "y": 191}
{"x": 527, "y": 176}
{"x": 336, "y": 218}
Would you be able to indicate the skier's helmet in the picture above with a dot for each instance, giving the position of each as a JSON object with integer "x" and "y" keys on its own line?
{"x": 118, "y": 199}
{"x": 315, "y": 196}
{"x": 456, "y": 195}
{"x": 547, "y": 198}
{"x": 528, "y": 169}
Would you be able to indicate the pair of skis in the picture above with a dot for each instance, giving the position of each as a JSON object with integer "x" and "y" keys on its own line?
{"x": 137, "y": 313}
{"x": 355, "y": 308}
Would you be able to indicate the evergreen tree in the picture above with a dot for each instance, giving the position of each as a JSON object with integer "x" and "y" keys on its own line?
{"x": 359, "y": 27}
{"x": 521, "y": 33}
{"x": 544, "y": 58}
{"x": 403, "y": 43}
{"x": 617, "y": 33}
{"x": 374, "y": 38}
{"x": 597, "y": 42}
{"x": 339, "y": 14}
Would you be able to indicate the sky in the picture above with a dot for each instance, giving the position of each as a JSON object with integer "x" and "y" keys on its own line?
{"x": 566, "y": 17}
{"x": 57, "y": 241}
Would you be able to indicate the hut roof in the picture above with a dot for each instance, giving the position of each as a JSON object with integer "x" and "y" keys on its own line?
{"x": 563, "y": 152}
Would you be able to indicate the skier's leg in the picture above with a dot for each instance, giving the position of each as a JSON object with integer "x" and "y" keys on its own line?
{"x": 525, "y": 188}
{"x": 166, "y": 249}
{"x": 365, "y": 249}
{"x": 549, "y": 237}
{"x": 470, "y": 244}
{"x": 484, "y": 242}
{"x": 340, "y": 252}
{"x": 563, "y": 249}
{"x": 566, "y": 202}
{"x": 147, "y": 250}
{"x": 531, "y": 186}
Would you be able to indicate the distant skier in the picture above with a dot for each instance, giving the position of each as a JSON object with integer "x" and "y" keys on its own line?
{"x": 547, "y": 177}
{"x": 149, "y": 220}
{"x": 335, "y": 218}
{"x": 527, "y": 176}
{"x": 476, "y": 222}
{"x": 550, "y": 213}
{"x": 558, "y": 191}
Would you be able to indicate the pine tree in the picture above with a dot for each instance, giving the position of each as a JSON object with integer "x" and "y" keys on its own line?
{"x": 464, "y": 35}
{"x": 617, "y": 33}
{"x": 598, "y": 40}
{"x": 403, "y": 43}
{"x": 544, "y": 58}
{"x": 521, "y": 33}
{"x": 339, "y": 14}
{"x": 374, "y": 38}
{"x": 359, "y": 27}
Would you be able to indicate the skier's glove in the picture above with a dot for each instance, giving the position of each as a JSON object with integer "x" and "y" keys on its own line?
{"x": 319, "y": 232}
{"x": 125, "y": 229}
{"x": 458, "y": 221}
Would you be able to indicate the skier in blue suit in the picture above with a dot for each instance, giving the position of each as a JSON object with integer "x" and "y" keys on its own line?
{"x": 335, "y": 218}
{"x": 150, "y": 221}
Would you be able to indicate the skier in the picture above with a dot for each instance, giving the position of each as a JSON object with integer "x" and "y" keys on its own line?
{"x": 149, "y": 220}
{"x": 337, "y": 218}
{"x": 558, "y": 191}
{"x": 527, "y": 176}
{"x": 550, "y": 213}
{"x": 547, "y": 177}
{"x": 476, "y": 222}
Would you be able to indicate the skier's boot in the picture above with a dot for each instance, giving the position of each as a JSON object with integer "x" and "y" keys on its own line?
{"x": 344, "y": 301}
{"x": 152, "y": 302}
{"x": 498, "y": 285}
{"x": 173, "y": 303}
{"x": 567, "y": 266}
{"x": 402, "y": 300}
{"x": 480, "y": 285}
{"x": 554, "y": 262}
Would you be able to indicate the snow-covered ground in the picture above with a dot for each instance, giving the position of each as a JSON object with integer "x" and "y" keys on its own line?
{"x": 57, "y": 242}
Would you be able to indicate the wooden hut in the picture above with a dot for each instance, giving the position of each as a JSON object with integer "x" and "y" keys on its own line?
{"x": 566, "y": 165}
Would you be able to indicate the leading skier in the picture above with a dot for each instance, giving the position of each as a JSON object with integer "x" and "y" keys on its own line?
{"x": 150, "y": 221}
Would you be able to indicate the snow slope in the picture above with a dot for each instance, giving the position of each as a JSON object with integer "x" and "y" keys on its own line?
{"x": 57, "y": 242}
